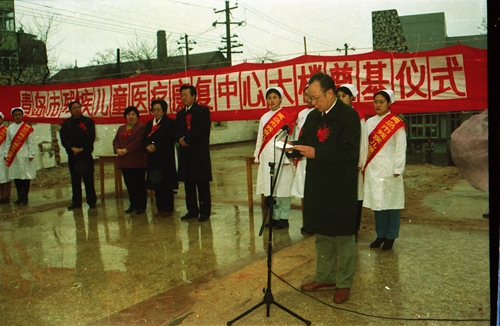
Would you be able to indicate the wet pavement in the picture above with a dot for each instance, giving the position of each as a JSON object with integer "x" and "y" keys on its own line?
{"x": 104, "y": 267}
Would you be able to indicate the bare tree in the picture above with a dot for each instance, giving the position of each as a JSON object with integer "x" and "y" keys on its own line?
{"x": 267, "y": 57}
{"x": 141, "y": 51}
{"x": 484, "y": 26}
{"x": 33, "y": 64}
{"x": 104, "y": 58}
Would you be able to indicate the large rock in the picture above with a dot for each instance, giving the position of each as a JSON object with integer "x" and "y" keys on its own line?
{"x": 469, "y": 150}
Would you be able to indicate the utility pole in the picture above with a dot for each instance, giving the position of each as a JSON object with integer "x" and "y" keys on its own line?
{"x": 346, "y": 47}
{"x": 227, "y": 39}
{"x": 186, "y": 45}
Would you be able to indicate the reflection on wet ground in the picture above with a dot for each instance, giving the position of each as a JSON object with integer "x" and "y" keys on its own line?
{"x": 105, "y": 267}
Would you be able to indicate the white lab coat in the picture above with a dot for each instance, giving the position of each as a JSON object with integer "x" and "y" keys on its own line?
{"x": 21, "y": 168}
{"x": 4, "y": 170}
{"x": 287, "y": 171}
{"x": 300, "y": 171}
{"x": 382, "y": 190}
{"x": 363, "y": 151}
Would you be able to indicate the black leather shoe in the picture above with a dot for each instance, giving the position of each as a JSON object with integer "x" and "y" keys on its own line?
{"x": 92, "y": 205}
{"x": 130, "y": 210}
{"x": 273, "y": 223}
{"x": 18, "y": 201}
{"x": 188, "y": 216}
{"x": 388, "y": 244}
{"x": 25, "y": 201}
{"x": 377, "y": 243}
{"x": 203, "y": 218}
{"x": 282, "y": 224}
{"x": 73, "y": 206}
{"x": 4, "y": 200}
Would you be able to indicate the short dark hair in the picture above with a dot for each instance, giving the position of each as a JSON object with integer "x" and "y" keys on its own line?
{"x": 273, "y": 90}
{"x": 384, "y": 94}
{"x": 130, "y": 109}
{"x": 73, "y": 102}
{"x": 325, "y": 81}
{"x": 344, "y": 90}
{"x": 163, "y": 104}
{"x": 192, "y": 89}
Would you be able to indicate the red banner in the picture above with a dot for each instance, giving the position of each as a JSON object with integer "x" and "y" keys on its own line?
{"x": 443, "y": 80}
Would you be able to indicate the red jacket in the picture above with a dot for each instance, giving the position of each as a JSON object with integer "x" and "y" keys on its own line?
{"x": 136, "y": 157}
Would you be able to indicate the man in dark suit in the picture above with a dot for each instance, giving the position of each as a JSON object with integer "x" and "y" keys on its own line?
{"x": 195, "y": 168}
{"x": 330, "y": 142}
{"x": 77, "y": 137}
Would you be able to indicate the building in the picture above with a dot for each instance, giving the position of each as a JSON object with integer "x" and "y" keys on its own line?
{"x": 161, "y": 65}
{"x": 416, "y": 33}
{"x": 23, "y": 58}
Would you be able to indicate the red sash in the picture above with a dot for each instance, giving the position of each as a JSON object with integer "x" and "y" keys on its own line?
{"x": 17, "y": 142}
{"x": 381, "y": 134}
{"x": 3, "y": 134}
{"x": 282, "y": 117}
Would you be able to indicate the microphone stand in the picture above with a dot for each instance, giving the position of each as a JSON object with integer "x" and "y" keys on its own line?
{"x": 269, "y": 203}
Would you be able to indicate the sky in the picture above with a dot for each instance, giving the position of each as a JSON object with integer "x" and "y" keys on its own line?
{"x": 276, "y": 29}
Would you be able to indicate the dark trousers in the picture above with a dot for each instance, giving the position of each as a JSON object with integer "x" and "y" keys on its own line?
{"x": 164, "y": 199}
{"x": 23, "y": 188}
{"x": 5, "y": 189}
{"x": 135, "y": 181}
{"x": 203, "y": 196}
{"x": 358, "y": 216}
{"x": 82, "y": 169}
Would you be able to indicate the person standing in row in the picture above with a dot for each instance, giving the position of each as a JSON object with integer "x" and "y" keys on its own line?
{"x": 5, "y": 182}
{"x": 77, "y": 137}
{"x": 195, "y": 167}
{"x": 384, "y": 188}
{"x": 346, "y": 93}
{"x": 159, "y": 143}
{"x": 300, "y": 162}
{"x": 132, "y": 159}
{"x": 429, "y": 151}
{"x": 19, "y": 153}
{"x": 266, "y": 152}
{"x": 330, "y": 141}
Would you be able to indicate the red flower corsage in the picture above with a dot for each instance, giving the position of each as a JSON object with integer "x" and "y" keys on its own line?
{"x": 82, "y": 126}
{"x": 188, "y": 121}
{"x": 153, "y": 129}
{"x": 323, "y": 133}
{"x": 127, "y": 133}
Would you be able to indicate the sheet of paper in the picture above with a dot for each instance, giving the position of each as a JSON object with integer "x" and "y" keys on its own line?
{"x": 280, "y": 144}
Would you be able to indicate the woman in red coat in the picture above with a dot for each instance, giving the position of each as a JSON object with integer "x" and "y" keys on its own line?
{"x": 132, "y": 159}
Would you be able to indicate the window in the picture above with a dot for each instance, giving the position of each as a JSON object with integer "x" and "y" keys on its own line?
{"x": 456, "y": 120}
{"x": 423, "y": 126}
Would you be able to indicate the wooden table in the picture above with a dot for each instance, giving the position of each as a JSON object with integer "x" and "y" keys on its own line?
{"x": 117, "y": 175}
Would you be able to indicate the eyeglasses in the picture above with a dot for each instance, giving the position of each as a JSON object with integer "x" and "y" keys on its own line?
{"x": 314, "y": 99}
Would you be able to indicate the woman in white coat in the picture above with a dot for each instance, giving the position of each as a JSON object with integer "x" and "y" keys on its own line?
{"x": 346, "y": 93}
{"x": 301, "y": 162}
{"x": 5, "y": 182}
{"x": 384, "y": 189}
{"x": 266, "y": 152}
{"x": 19, "y": 154}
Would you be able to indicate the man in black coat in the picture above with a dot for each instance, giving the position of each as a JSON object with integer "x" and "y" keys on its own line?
{"x": 77, "y": 137}
{"x": 330, "y": 141}
{"x": 195, "y": 167}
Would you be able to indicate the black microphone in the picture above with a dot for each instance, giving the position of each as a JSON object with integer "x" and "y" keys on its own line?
{"x": 286, "y": 129}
